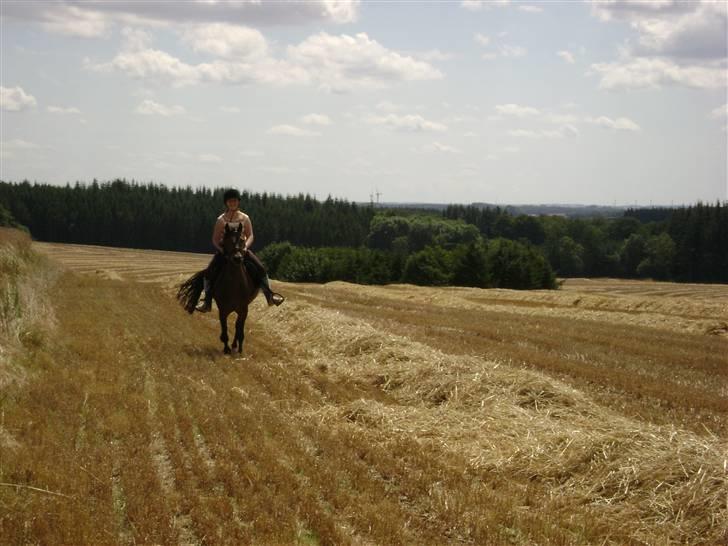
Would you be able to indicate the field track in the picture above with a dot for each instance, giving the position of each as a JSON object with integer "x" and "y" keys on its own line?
{"x": 370, "y": 415}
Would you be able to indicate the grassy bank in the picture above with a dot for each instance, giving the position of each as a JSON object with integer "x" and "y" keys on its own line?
{"x": 26, "y": 313}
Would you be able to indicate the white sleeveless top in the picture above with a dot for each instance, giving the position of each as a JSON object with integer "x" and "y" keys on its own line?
{"x": 233, "y": 222}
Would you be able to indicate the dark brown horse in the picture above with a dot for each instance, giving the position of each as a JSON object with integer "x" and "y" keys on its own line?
{"x": 233, "y": 288}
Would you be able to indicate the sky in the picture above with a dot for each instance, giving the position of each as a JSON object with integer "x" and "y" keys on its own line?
{"x": 610, "y": 102}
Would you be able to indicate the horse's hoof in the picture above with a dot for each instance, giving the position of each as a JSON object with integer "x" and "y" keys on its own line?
{"x": 227, "y": 350}
{"x": 235, "y": 345}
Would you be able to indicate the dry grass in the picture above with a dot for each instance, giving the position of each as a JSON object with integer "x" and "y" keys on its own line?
{"x": 26, "y": 315}
{"x": 362, "y": 416}
{"x": 648, "y": 372}
{"x": 576, "y": 457}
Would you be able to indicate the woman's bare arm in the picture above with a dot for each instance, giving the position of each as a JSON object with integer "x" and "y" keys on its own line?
{"x": 217, "y": 233}
{"x": 248, "y": 232}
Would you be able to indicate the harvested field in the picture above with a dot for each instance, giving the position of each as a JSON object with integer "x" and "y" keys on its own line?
{"x": 367, "y": 415}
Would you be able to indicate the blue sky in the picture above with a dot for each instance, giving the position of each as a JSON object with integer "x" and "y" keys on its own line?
{"x": 609, "y": 102}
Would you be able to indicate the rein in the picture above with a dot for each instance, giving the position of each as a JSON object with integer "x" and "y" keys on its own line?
{"x": 237, "y": 248}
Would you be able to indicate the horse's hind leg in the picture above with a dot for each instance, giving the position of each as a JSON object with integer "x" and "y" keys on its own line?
{"x": 223, "y": 331}
{"x": 240, "y": 330}
{"x": 236, "y": 343}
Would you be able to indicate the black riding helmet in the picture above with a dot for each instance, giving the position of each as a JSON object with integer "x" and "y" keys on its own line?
{"x": 231, "y": 194}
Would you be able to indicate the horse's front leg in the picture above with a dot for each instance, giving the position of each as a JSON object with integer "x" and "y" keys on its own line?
{"x": 240, "y": 329}
{"x": 223, "y": 331}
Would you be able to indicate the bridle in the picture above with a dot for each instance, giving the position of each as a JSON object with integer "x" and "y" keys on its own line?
{"x": 237, "y": 251}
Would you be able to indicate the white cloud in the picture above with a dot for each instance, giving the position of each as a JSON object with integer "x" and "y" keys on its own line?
{"x": 566, "y": 124}
{"x": 93, "y": 19}
{"x": 74, "y": 21}
{"x": 316, "y": 119}
{"x": 523, "y": 133}
{"x": 516, "y": 110}
{"x": 561, "y": 119}
{"x": 640, "y": 72}
{"x": 441, "y": 148}
{"x": 162, "y": 67}
{"x": 409, "y": 122}
{"x": 11, "y": 148}
{"x": 672, "y": 28}
{"x": 433, "y": 55}
{"x": 15, "y": 99}
{"x": 152, "y": 64}
{"x": 340, "y": 63}
{"x": 678, "y": 43}
{"x": 291, "y": 130}
{"x": 336, "y": 63}
{"x": 567, "y": 56}
{"x": 566, "y": 130}
{"x": 209, "y": 158}
{"x": 619, "y": 124}
{"x": 503, "y": 50}
{"x": 62, "y": 110}
{"x": 226, "y": 40}
{"x": 530, "y": 9}
{"x": 149, "y": 107}
{"x": 512, "y": 51}
{"x": 562, "y": 132}
{"x": 135, "y": 39}
{"x": 19, "y": 144}
{"x": 230, "y": 109}
{"x": 720, "y": 112}
{"x": 482, "y": 39}
{"x": 477, "y": 5}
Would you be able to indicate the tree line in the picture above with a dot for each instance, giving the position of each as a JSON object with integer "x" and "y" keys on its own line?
{"x": 686, "y": 244}
{"x": 498, "y": 263}
{"x": 130, "y": 214}
{"x": 305, "y": 239}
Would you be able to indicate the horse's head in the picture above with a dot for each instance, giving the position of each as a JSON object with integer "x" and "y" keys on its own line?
{"x": 232, "y": 242}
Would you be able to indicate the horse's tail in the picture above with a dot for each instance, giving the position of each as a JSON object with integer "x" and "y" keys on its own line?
{"x": 189, "y": 291}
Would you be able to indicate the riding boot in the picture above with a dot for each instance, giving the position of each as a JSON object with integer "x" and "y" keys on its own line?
{"x": 271, "y": 297}
{"x": 206, "y": 305}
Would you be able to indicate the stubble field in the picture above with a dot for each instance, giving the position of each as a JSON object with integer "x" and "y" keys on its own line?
{"x": 596, "y": 414}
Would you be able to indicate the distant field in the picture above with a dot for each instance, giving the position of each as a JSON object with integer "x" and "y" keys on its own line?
{"x": 596, "y": 414}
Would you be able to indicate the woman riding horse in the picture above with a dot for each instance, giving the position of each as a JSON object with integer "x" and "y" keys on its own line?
{"x": 234, "y": 218}
{"x": 234, "y": 287}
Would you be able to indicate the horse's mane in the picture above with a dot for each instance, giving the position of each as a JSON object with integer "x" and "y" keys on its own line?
{"x": 189, "y": 291}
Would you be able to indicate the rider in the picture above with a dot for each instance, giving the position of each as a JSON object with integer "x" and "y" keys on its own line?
{"x": 233, "y": 215}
